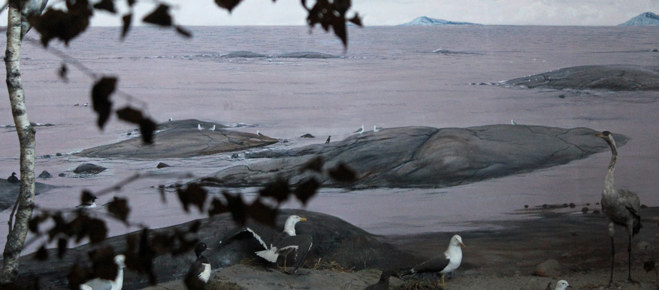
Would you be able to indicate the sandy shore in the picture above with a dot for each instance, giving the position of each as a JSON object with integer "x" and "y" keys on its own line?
{"x": 496, "y": 259}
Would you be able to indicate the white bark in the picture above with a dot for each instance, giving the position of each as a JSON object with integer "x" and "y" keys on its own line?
{"x": 26, "y": 137}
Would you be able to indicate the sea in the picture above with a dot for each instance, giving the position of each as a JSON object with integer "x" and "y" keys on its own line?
{"x": 287, "y": 81}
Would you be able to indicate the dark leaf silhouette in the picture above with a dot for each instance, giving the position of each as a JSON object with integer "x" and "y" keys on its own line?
{"x": 342, "y": 173}
{"x": 63, "y": 25}
{"x": 160, "y": 16}
{"x": 227, "y": 4}
{"x": 145, "y": 257}
{"x": 131, "y": 2}
{"x": 278, "y": 189}
{"x": 60, "y": 226}
{"x": 126, "y": 20}
{"x": 61, "y": 247}
{"x": 262, "y": 213}
{"x": 193, "y": 194}
{"x": 97, "y": 230}
{"x": 101, "y": 99}
{"x": 315, "y": 164}
{"x": 194, "y": 227}
{"x": 119, "y": 209}
{"x": 63, "y": 72}
{"x": 329, "y": 15}
{"x": 356, "y": 20}
{"x": 33, "y": 224}
{"x": 217, "y": 207}
{"x": 87, "y": 197}
{"x": 76, "y": 276}
{"x": 103, "y": 264}
{"x": 130, "y": 115}
{"x": 184, "y": 32}
{"x": 42, "y": 254}
{"x": 107, "y": 5}
{"x": 161, "y": 244}
{"x": 306, "y": 190}
{"x": 147, "y": 128}
{"x": 236, "y": 206}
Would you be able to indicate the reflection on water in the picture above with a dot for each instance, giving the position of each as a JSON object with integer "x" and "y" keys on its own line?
{"x": 390, "y": 76}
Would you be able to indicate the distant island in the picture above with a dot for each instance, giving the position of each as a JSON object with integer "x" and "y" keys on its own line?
{"x": 427, "y": 21}
{"x": 643, "y": 19}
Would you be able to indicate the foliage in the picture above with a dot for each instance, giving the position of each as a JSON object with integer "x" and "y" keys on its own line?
{"x": 68, "y": 227}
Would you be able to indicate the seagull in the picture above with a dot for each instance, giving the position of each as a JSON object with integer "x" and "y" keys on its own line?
{"x": 562, "y": 285}
{"x": 512, "y": 122}
{"x": 259, "y": 133}
{"x": 446, "y": 263}
{"x": 115, "y": 284}
{"x": 13, "y": 178}
{"x": 360, "y": 130}
{"x": 274, "y": 243}
{"x": 170, "y": 119}
{"x": 376, "y": 128}
{"x": 328, "y": 139}
{"x": 88, "y": 203}
{"x": 213, "y": 128}
{"x": 199, "y": 127}
{"x": 200, "y": 271}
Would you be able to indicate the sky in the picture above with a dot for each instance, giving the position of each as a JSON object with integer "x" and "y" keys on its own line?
{"x": 393, "y": 12}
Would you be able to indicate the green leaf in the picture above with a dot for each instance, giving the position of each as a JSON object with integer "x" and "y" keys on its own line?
{"x": 160, "y": 16}
{"x": 119, "y": 209}
{"x": 306, "y": 190}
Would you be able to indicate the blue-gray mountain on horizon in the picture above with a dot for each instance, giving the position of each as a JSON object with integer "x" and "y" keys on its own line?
{"x": 427, "y": 21}
{"x": 643, "y": 19}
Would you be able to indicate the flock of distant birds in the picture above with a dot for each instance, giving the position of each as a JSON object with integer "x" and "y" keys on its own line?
{"x": 622, "y": 207}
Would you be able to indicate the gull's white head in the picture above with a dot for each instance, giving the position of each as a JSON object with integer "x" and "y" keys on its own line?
{"x": 561, "y": 285}
{"x": 456, "y": 240}
{"x": 120, "y": 260}
{"x": 289, "y": 226}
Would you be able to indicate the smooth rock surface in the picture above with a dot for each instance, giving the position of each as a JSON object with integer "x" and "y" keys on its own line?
{"x": 599, "y": 77}
{"x": 425, "y": 156}
{"x": 181, "y": 139}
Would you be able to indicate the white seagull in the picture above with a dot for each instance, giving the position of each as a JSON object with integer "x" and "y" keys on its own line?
{"x": 562, "y": 285}
{"x": 259, "y": 133}
{"x": 512, "y": 122}
{"x": 213, "y": 128}
{"x": 104, "y": 284}
{"x": 360, "y": 130}
{"x": 376, "y": 128}
{"x": 199, "y": 127}
{"x": 274, "y": 243}
{"x": 446, "y": 263}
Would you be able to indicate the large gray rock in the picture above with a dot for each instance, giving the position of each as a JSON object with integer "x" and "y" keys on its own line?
{"x": 334, "y": 240}
{"x": 600, "y": 77}
{"x": 9, "y": 192}
{"x": 426, "y": 157}
{"x": 181, "y": 139}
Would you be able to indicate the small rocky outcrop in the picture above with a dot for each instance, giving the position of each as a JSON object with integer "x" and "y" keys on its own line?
{"x": 45, "y": 174}
{"x": 9, "y": 192}
{"x": 596, "y": 77}
{"x": 181, "y": 139}
{"x": 425, "y": 156}
{"x": 89, "y": 168}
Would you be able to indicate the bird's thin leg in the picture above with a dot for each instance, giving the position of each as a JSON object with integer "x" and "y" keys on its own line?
{"x": 629, "y": 259}
{"x": 613, "y": 253}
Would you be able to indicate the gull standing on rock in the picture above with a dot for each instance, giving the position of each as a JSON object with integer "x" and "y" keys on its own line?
{"x": 213, "y": 128}
{"x": 376, "y": 128}
{"x": 448, "y": 262}
{"x": 274, "y": 243}
{"x": 199, "y": 127}
{"x": 360, "y": 130}
{"x": 200, "y": 271}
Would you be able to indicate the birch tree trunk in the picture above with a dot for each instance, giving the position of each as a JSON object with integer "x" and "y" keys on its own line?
{"x": 26, "y": 137}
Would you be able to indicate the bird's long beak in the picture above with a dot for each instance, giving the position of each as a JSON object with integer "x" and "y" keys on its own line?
{"x": 599, "y": 135}
{"x": 303, "y": 219}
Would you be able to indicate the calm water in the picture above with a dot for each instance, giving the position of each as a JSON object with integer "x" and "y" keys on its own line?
{"x": 390, "y": 76}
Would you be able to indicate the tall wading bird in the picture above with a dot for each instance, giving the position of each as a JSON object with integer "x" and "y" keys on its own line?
{"x": 620, "y": 206}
